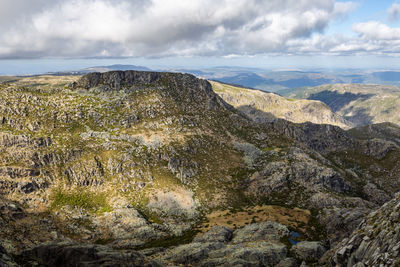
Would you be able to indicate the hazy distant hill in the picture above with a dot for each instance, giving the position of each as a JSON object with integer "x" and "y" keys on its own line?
{"x": 100, "y": 69}
{"x": 115, "y": 67}
{"x": 264, "y": 106}
{"x": 276, "y": 80}
{"x": 359, "y": 103}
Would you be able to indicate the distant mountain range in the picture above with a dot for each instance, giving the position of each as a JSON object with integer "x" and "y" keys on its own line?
{"x": 268, "y": 80}
{"x": 275, "y": 81}
{"x": 101, "y": 69}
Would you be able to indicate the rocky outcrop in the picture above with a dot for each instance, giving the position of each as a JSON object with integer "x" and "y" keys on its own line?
{"x": 183, "y": 169}
{"x": 254, "y": 245}
{"x": 216, "y": 234}
{"x": 308, "y": 250}
{"x": 71, "y": 254}
{"x": 375, "y": 242}
{"x": 185, "y": 88}
{"x": 270, "y": 231}
{"x": 257, "y": 244}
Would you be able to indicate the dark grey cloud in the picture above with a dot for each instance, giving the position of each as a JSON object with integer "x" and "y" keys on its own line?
{"x": 160, "y": 28}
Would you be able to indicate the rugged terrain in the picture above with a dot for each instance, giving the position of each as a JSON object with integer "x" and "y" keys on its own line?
{"x": 361, "y": 104}
{"x": 263, "y": 106}
{"x": 144, "y": 168}
{"x": 376, "y": 241}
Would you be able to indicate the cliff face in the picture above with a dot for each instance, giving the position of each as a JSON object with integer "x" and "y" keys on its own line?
{"x": 375, "y": 242}
{"x": 143, "y": 160}
{"x": 185, "y": 88}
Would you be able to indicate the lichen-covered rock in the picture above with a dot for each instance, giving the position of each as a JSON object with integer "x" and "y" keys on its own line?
{"x": 288, "y": 262}
{"x": 308, "y": 250}
{"x": 261, "y": 253}
{"x": 179, "y": 204}
{"x": 191, "y": 253}
{"x": 216, "y": 234}
{"x": 260, "y": 231}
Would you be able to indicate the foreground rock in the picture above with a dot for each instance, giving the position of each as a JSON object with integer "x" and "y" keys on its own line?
{"x": 376, "y": 242}
{"x": 257, "y": 244}
{"x": 5, "y": 259}
{"x": 70, "y": 254}
{"x": 308, "y": 251}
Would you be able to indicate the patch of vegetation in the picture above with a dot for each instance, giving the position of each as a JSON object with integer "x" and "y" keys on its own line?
{"x": 93, "y": 202}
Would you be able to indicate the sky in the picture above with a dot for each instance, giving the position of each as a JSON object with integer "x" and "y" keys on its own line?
{"x": 39, "y": 35}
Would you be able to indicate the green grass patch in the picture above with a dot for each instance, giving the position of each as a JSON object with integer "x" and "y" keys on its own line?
{"x": 93, "y": 202}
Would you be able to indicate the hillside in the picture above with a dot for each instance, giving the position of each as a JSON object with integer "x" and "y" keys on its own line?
{"x": 264, "y": 106}
{"x": 136, "y": 168}
{"x": 360, "y": 104}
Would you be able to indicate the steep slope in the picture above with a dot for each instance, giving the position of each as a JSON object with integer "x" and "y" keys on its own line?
{"x": 361, "y": 104}
{"x": 386, "y": 131}
{"x": 138, "y": 160}
{"x": 375, "y": 242}
{"x": 263, "y": 106}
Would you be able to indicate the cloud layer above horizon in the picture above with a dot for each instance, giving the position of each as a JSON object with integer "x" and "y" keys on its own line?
{"x": 164, "y": 28}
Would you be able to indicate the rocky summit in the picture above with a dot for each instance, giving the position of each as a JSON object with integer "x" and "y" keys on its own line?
{"x": 132, "y": 168}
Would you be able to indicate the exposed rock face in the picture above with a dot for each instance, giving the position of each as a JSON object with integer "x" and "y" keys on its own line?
{"x": 183, "y": 87}
{"x": 375, "y": 242}
{"x": 254, "y": 245}
{"x": 308, "y": 251}
{"x": 216, "y": 234}
{"x": 270, "y": 231}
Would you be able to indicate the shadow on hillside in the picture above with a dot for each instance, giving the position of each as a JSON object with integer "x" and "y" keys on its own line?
{"x": 360, "y": 117}
{"x": 256, "y": 114}
{"x": 338, "y": 101}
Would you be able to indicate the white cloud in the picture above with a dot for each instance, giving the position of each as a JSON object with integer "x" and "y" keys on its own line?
{"x": 374, "y": 30}
{"x": 373, "y": 38}
{"x": 157, "y": 28}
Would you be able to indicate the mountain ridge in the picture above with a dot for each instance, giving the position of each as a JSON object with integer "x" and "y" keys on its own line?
{"x": 361, "y": 104}
{"x": 260, "y": 105}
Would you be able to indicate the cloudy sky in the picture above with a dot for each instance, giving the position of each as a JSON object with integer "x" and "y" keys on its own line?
{"x": 41, "y": 34}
